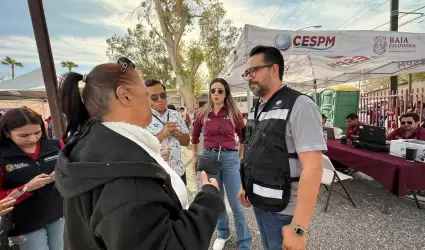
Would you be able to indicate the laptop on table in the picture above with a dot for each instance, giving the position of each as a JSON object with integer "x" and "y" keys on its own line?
{"x": 373, "y": 134}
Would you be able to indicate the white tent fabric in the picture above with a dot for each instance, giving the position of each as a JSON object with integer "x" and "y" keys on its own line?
{"x": 323, "y": 58}
{"x": 27, "y": 86}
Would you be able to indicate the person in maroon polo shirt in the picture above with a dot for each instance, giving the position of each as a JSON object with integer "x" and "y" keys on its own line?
{"x": 222, "y": 114}
{"x": 353, "y": 124}
{"x": 409, "y": 129}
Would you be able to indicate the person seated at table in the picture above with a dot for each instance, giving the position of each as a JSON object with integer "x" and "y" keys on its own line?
{"x": 353, "y": 125}
{"x": 409, "y": 129}
{"x": 326, "y": 123}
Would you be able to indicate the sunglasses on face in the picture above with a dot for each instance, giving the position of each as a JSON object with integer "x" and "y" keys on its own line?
{"x": 404, "y": 123}
{"x": 156, "y": 97}
{"x": 125, "y": 63}
{"x": 219, "y": 91}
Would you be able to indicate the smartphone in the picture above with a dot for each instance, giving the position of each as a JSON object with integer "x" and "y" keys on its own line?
{"x": 16, "y": 193}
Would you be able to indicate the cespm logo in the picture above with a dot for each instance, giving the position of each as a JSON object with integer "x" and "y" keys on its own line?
{"x": 282, "y": 42}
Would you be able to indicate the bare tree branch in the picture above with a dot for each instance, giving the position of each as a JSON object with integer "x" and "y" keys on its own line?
{"x": 183, "y": 22}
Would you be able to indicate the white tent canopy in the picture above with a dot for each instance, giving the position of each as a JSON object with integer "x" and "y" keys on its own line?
{"x": 27, "y": 86}
{"x": 323, "y": 58}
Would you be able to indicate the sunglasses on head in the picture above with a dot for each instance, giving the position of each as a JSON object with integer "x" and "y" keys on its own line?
{"x": 219, "y": 91}
{"x": 156, "y": 97}
{"x": 404, "y": 123}
{"x": 125, "y": 63}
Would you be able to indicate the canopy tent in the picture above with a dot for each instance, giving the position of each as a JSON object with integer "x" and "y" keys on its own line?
{"x": 39, "y": 106}
{"x": 27, "y": 86}
{"x": 322, "y": 58}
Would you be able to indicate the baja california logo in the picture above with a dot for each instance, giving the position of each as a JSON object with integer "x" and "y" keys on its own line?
{"x": 282, "y": 42}
{"x": 380, "y": 45}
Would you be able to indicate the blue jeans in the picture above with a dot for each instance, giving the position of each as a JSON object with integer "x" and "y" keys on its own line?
{"x": 49, "y": 237}
{"x": 229, "y": 176}
{"x": 270, "y": 225}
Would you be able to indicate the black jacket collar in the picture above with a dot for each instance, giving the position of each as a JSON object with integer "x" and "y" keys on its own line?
{"x": 47, "y": 146}
{"x": 97, "y": 155}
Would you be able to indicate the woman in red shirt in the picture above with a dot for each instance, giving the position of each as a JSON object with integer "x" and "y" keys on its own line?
{"x": 221, "y": 114}
{"x": 27, "y": 163}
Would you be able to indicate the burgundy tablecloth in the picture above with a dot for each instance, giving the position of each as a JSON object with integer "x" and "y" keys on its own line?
{"x": 396, "y": 174}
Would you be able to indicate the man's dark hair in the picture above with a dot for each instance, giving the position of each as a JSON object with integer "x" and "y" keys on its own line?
{"x": 153, "y": 82}
{"x": 352, "y": 116}
{"x": 324, "y": 116}
{"x": 181, "y": 108}
{"x": 271, "y": 56}
{"x": 171, "y": 106}
{"x": 415, "y": 116}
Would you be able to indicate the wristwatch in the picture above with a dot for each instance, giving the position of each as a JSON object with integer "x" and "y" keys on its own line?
{"x": 299, "y": 230}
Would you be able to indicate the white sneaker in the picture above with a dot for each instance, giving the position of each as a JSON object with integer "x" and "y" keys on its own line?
{"x": 219, "y": 243}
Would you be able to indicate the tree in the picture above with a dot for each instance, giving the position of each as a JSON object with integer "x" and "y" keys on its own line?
{"x": 384, "y": 82}
{"x": 170, "y": 20}
{"x": 12, "y": 63}
{"x": 418, "y": 77}
{"x": 69, "y": 65}
{"x": 193, "y": 56}
{"x": 375, "y": 84}
{"x": 218, "y": 37}
{"x": 146, "y": 50}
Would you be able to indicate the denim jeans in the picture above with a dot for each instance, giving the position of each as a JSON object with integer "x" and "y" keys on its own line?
{"x": 49, "y": 237}
{"x": 229, "y": 176}
{"x": 270, "y": 225}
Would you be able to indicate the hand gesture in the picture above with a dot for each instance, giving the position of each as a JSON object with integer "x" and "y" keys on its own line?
{"x": 6, "y": 205}
{"x": 291, "y": 241}
{"x": 211, "y": 181}
{"x": 169, "y": 128}
{"x": 39, "y": 181}
{"x": 242, "y": 198}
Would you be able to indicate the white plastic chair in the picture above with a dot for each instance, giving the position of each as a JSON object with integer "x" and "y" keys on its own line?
{"x": 330, "y": 176}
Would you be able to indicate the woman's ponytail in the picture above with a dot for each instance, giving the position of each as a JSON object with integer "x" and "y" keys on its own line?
{"x": 72, "y": 105}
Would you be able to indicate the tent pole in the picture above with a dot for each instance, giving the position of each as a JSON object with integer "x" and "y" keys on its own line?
{"x": 47, "y": 64}
{"x": 394, "y": 4}
{"x": 315, "y": 91}
{"x": 409, "y": 89}
{"x": 248, "y": 98}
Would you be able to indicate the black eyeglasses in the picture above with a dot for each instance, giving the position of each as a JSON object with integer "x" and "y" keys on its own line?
{"x": 404, "y": 123}
{"x": 219, "y": 91}
{"x": 125, "y": 63}
{"x": 156, "y": 97}
{"x": 253, "y": 70}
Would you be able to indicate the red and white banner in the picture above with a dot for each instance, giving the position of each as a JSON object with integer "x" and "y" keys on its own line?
{"x": 330, "y": 57}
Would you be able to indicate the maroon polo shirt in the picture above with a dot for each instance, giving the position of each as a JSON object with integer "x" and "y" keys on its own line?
{"x": 400, "y": 133}
{"x": 353, "y": 130}
{"x": 212, "y": 129}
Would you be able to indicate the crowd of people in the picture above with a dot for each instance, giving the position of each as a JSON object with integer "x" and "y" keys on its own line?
{"x": 116, "y": 179}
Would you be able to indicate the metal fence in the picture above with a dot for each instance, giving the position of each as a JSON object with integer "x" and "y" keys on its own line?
{"x": 383, "y": 108}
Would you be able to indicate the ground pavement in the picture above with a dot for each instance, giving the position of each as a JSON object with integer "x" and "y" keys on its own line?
{"x": 345, "y": 227}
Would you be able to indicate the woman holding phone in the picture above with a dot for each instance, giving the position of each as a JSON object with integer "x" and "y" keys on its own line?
{"x": 27, "y": 163}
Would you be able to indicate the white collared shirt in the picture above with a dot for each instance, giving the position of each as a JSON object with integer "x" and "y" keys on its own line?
{"x": 157, "y": 125}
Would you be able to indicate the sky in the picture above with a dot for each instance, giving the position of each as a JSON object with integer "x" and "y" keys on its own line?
{"x": 78, "y": 28}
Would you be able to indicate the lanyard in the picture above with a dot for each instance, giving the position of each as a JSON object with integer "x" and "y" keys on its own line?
{"x": 163, "y": 123}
